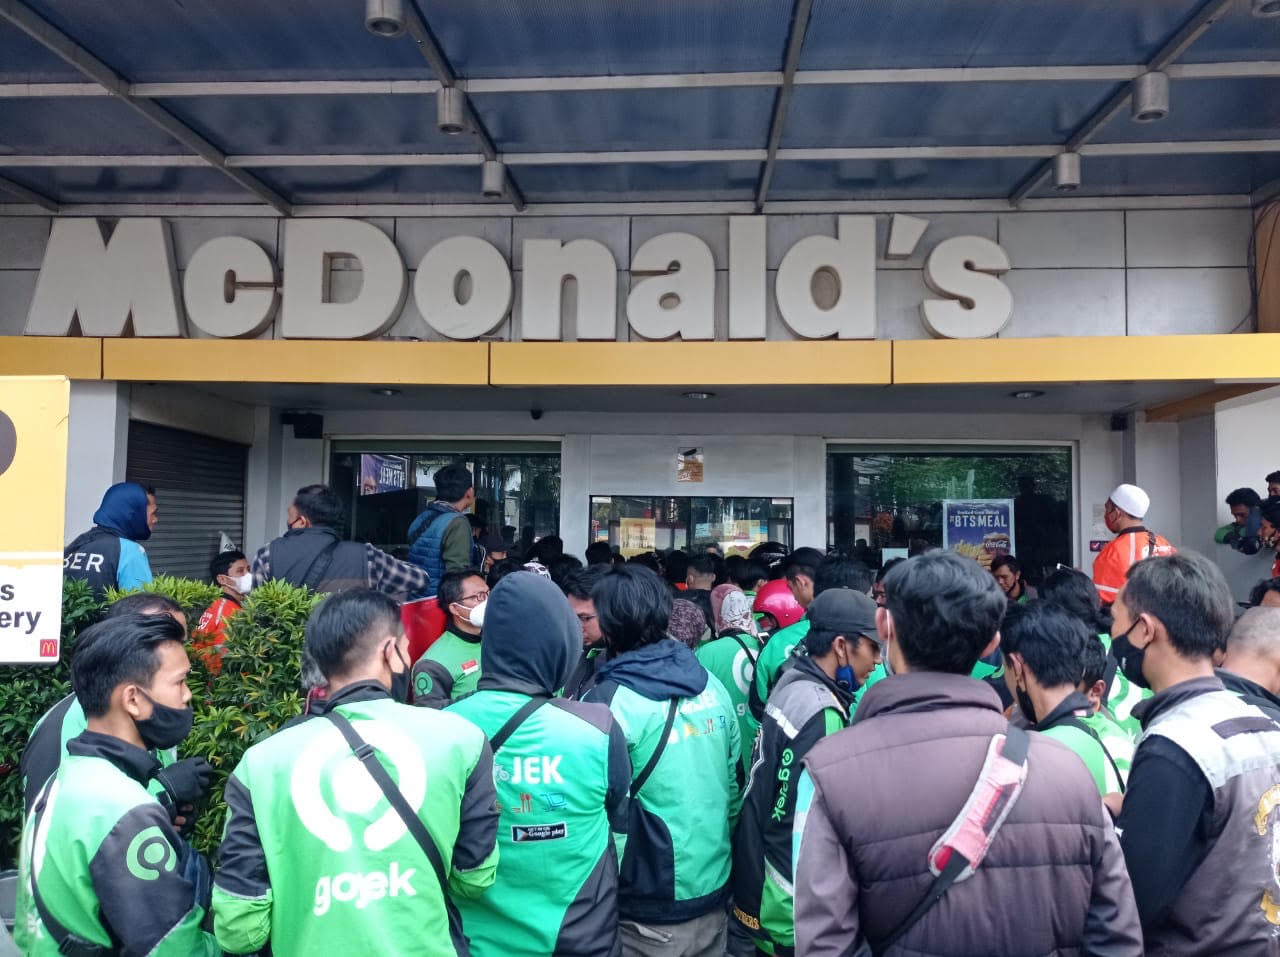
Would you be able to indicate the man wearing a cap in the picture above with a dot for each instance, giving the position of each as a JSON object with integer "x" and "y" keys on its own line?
{"x": 810, "y": 701}
{"x": 1124, "y": 513}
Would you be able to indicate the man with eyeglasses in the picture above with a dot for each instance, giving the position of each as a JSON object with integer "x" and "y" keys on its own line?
{"x": 577, "y": 588}
{"x": 450, "y": 668}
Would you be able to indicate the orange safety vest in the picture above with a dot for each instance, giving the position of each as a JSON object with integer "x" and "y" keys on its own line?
{"x": 1124, "y": 551}
{"x": 211, "y": 632}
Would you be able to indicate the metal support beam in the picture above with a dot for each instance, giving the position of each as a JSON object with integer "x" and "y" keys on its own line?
{"x": 1176, "y": 45}
{"x": 782, "y": 102}
{"x": 57, "y": 42}
{"x": 27, "y": 195}
{"x": 417, "y": 28}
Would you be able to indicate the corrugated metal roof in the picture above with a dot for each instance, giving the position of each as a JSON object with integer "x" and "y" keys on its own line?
{"x": 593, "y": 77}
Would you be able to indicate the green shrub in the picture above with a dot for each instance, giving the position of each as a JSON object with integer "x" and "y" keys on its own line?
{"x": 255, "y": 693}
{"x": 193, "y": 597}
{"x": 26, "y": 693}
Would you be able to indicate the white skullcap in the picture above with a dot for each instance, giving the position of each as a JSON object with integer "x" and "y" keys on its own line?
{"x": 1131, "y": 499}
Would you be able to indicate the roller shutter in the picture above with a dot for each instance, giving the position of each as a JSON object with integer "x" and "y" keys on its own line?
{"x": 199, "y": 484}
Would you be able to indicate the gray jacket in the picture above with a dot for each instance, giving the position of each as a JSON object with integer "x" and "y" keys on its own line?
{"x": 884, "y": 790}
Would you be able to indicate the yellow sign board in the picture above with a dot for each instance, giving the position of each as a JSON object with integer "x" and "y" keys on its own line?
{"x": 33, "y": 482}
{"x": 637, "y": 536}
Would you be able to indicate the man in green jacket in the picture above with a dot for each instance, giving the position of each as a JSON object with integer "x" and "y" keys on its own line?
{"x": 562, "y": 773}
{"x": 353, "y": 830}
{"x": 450, "y": 668}
{"x": 732, "y": 659}
{"x": 682, "y": 735}
{"x": 811, "y": 700}
{"x": 102, "y": 868}
{"x": 1044, "y": 648}
{"x": 47, "y": 745}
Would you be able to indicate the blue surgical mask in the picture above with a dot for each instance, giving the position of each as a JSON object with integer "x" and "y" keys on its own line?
{"x": 845, "y": 678}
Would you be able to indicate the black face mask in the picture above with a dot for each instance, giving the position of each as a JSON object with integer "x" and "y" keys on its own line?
{"x": 1129, "y": 657}
{"x": 400, "y": 681}
{"x": 166, "y": 728}
{"x": 1025, "y": 706}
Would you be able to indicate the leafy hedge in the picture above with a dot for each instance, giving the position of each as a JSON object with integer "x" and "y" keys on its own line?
{"x": 255, "y": 693}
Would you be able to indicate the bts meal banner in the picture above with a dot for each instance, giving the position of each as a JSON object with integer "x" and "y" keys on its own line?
{"x": 33, "y": 480}
{"x": 980, "y": 528}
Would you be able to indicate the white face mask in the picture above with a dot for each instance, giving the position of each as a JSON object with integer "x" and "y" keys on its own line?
{"x": 477, "y": 615}
{"x": 243, "y": 583}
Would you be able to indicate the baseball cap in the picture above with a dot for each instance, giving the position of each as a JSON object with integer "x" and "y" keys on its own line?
{"x": 843, "y": 611}
{"x": 1131, "y": 499}
{"x": 494, "y": 542}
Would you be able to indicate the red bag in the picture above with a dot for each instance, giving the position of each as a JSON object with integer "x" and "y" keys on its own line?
{"x": 424, "y": 621}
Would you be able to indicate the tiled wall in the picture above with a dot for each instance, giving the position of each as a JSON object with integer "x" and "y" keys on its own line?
{"x": 1140, "y": 272}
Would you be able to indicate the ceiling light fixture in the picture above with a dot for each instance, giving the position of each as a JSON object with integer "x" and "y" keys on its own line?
{"x": 1265, "y": 9}
{"x": 387, "y": 393}
{"x": 1066, "y": 172}
{"x": 1026, "y": 394}
{"x": 699, "y": 395}
{"x": 1150, "y": 99}
{"x": 384, "y": 18}
{"x": 450, "y": 111}
{"x": 493, "y": 178}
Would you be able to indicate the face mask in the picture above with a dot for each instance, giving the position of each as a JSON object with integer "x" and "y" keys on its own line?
{"x": 476, "y": 617}
{"x": 243, "y": 583}
{"x": 400, "y": 681}
{"x": 845, "y": 677}
{"x": 166, "y": 728}
{"x": 1130, "y": 658}
{"x": 1024, "y": 704}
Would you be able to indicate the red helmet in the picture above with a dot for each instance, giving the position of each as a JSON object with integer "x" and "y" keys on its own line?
{"x": 776, "y": 599}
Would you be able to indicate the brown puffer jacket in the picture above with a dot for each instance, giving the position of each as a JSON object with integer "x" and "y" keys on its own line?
{"x": 1053, "y": 882}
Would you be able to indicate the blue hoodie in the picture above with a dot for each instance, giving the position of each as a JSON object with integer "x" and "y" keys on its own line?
{"x": 124, "y": 510}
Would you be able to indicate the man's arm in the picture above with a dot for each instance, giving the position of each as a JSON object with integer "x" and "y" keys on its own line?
{"x": 1159, "y": 825}
{"x": 133, "y": 570}
{"x": 1108, "y": 576}
{"x": 737, "y": 777}
{"x": 242, "y": 890}
{"x": 43, "y": 753}
{"x": 455, "y": 545}
{"x": 619, "y": 787}
{"x": 145, "y": 897}
{"x": 261, "y": 566}
{"x": 475, "y": 853}
{"x": 1112, "y": 927}
{"x": 400, "y": 580}
{"x": 826, "y": 902}
{"x": 432, "y": 684}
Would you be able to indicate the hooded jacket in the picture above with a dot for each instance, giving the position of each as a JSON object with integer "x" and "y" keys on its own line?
{"x": 562, "y": 778}
{"x": 108, "y": 555}
{"x": 675, "y": 858}
{"x": 875, "y": 798}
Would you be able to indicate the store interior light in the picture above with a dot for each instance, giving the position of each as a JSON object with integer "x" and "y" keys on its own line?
{"x": 699, "y": 395}
{"x": 1026, "y": 394}
{"x": 1150, "y": 100}
{"x": 384, "y": 18}
{"x": 1066, "y": 172}
{"x": 387, "y": 393}
{"x": 1265, "y": 8}
{"x": 450, "y": 112}
{"x": 493, "y": 178}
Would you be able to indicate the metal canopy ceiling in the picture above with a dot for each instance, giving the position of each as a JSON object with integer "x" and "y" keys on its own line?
{"x": 758, "y": 103}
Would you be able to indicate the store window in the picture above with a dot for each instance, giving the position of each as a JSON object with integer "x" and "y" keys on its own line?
{"x": 886, "y": 501}
{"x": 386, "y": 484}
{"x": 634, "y": 524}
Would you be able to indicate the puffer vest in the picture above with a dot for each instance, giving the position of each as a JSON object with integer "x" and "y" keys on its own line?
{"x": 297, "y": 557}
{"x": 1231, "y": 903}
{"x": 426, "y": 537}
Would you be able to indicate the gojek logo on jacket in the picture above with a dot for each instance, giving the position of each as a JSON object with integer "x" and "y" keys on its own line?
{"x": 150, "y": 854}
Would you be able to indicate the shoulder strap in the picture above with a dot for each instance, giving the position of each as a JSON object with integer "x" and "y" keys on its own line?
{"x": 427, "y": 525}
{"x": 517, "y": 719}
{"x": 68, "y": 943}
{"x": 319, "y": 566}
{"x": 743, "y": 645}
{"x": 647, "y": 770}
{"x": 369, "y": 758}
{"x": 1109, "y": 675}
{"x": 1071, "y": 721}
{"x": 1016, "y": 743}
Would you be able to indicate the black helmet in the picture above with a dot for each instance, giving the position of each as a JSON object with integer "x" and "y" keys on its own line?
{"x": 772, "y": 554}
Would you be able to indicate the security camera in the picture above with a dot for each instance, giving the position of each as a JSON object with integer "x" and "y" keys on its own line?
{"x": 535, "y": 413}
{"x": 384, "y": 18}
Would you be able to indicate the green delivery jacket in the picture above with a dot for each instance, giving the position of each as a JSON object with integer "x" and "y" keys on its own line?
{"x": 47, "y": 747}
{"x": 315, "y": 859}
{"x": 773, "y": 656}
{"x": 1104, "y": 747}
{"x": 447, "y": 670}
{"x": 732, "y": 659}
{"x": 675, "y": 860}
{"x": 562, "y": 779}
{"x": 110, "y": 867}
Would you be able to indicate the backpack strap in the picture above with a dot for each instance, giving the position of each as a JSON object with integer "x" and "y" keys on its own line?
{"x": 743, "y": 645}
{"x": 517, "y": 719}
{"x": 993, "y": 796}
{"x": 1071, "y": 721}
{"x": 369, "y": 758}
{"x": 319, "y": 566}
{"x": 647, "y": 770}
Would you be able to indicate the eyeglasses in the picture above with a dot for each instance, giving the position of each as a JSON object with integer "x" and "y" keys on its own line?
{"x": 477, "y": 598}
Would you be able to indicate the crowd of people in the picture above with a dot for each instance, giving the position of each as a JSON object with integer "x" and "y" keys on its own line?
{"x": 787, "y": 752}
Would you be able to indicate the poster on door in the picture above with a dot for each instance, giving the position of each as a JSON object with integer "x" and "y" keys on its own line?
{"x": 979, "y": 528}
{"x": 383, "y": 473}
{"x": 637, "y": 536}
{"x": 33, "y": 472}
